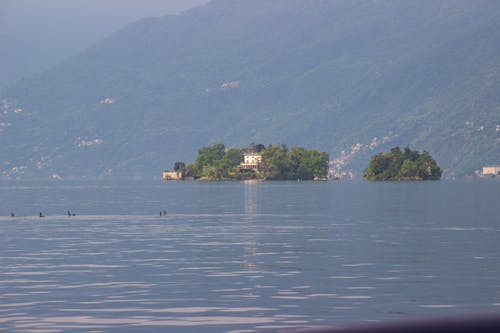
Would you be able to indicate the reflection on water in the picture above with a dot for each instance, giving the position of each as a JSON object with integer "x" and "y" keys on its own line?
{"x": 250, "y": 188}
{"x": 251, "y": 251}
{"x": 247, "y": 257}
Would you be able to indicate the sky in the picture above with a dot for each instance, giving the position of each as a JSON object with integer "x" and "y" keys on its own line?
{"x": 37, "y": 34}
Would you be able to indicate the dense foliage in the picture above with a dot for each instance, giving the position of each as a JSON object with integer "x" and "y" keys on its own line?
{"x": 281, "y": 164}
{"x": 278, "y": 163}
{"x": 216, "y": 163}
{"x": 403, "y": 165}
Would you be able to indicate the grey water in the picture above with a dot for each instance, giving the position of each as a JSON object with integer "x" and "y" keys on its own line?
{"x": 244, "y": 257}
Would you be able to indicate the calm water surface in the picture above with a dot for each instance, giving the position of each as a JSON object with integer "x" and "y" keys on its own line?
{"x": 244, "y": 257}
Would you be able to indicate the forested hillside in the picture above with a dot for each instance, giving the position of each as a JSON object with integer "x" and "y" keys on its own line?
{"x": 350, "y": 77}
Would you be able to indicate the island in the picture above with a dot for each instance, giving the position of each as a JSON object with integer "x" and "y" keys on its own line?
{"x": 405, "y": 165}
{"x": 274, "y": 162}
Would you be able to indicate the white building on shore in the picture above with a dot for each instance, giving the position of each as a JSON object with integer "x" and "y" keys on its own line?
{"x": 491, "y": 170}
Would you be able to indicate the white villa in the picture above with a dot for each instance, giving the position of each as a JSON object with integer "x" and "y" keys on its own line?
{"x": 491, "y": 170}
{"x": 251, "y": 160}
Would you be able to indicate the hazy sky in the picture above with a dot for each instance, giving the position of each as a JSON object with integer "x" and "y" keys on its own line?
{"x": 36, "y": 34}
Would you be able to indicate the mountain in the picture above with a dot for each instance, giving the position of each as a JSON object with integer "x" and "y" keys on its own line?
{"x": 351, "y": 77}
{"x": 48, "y": 28}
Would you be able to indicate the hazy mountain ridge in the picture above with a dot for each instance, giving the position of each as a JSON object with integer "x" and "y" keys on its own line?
{"x": 321, "y": 74}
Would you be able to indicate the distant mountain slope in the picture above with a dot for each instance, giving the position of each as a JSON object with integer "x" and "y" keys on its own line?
{"x": 351, "y": 77}
{"x": 35, "y": 34}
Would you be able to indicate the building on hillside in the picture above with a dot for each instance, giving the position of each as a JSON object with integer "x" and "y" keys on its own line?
{"x": 251, "y": 160}
{"x": 491, "y": 170}
{"x": 173, "y": 175}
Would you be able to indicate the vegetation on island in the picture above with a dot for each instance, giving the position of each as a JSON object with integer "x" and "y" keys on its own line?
{"x": 215, "y": 162}
{"x": 399, "y": 165}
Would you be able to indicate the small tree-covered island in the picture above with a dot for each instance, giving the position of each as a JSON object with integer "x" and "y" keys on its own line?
{"x": 398, "y": 165}
{"x": 215, "y": 163}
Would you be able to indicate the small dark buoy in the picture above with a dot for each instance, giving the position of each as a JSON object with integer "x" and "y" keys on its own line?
{"x": 41, "y": 215}
{"x": 12, "y": 215}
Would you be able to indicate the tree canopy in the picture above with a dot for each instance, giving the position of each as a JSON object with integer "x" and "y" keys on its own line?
{"x": 277, "y": 163}
{"x": 403, "y": 165}
{"x": 281, "y": 164}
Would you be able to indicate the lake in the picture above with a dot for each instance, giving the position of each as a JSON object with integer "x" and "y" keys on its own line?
{"x": 244, "y": 257}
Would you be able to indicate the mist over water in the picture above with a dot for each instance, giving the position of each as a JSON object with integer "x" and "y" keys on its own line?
{"x": 244, "y": 257}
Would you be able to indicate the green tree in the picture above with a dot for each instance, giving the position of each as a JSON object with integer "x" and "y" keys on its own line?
{"x": 298, "y": 163}
{"x": 211, "y": 172}
{"x": 207, "y": 156}
{"x": 297, "y": 166}
{"x": 378, "y": 165}
{"x": 179, "y": 166}
{"x": 259, "y": 147}
{"x": 191, "y": 170}
{"x": 402, "y": 165}
{"x": 428, "y": 168}
{"x": 233, "y": 157}
{"x": 320, "y": 164}
{"x": 408, "y": 169}
{"x": 276, "y": 163}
